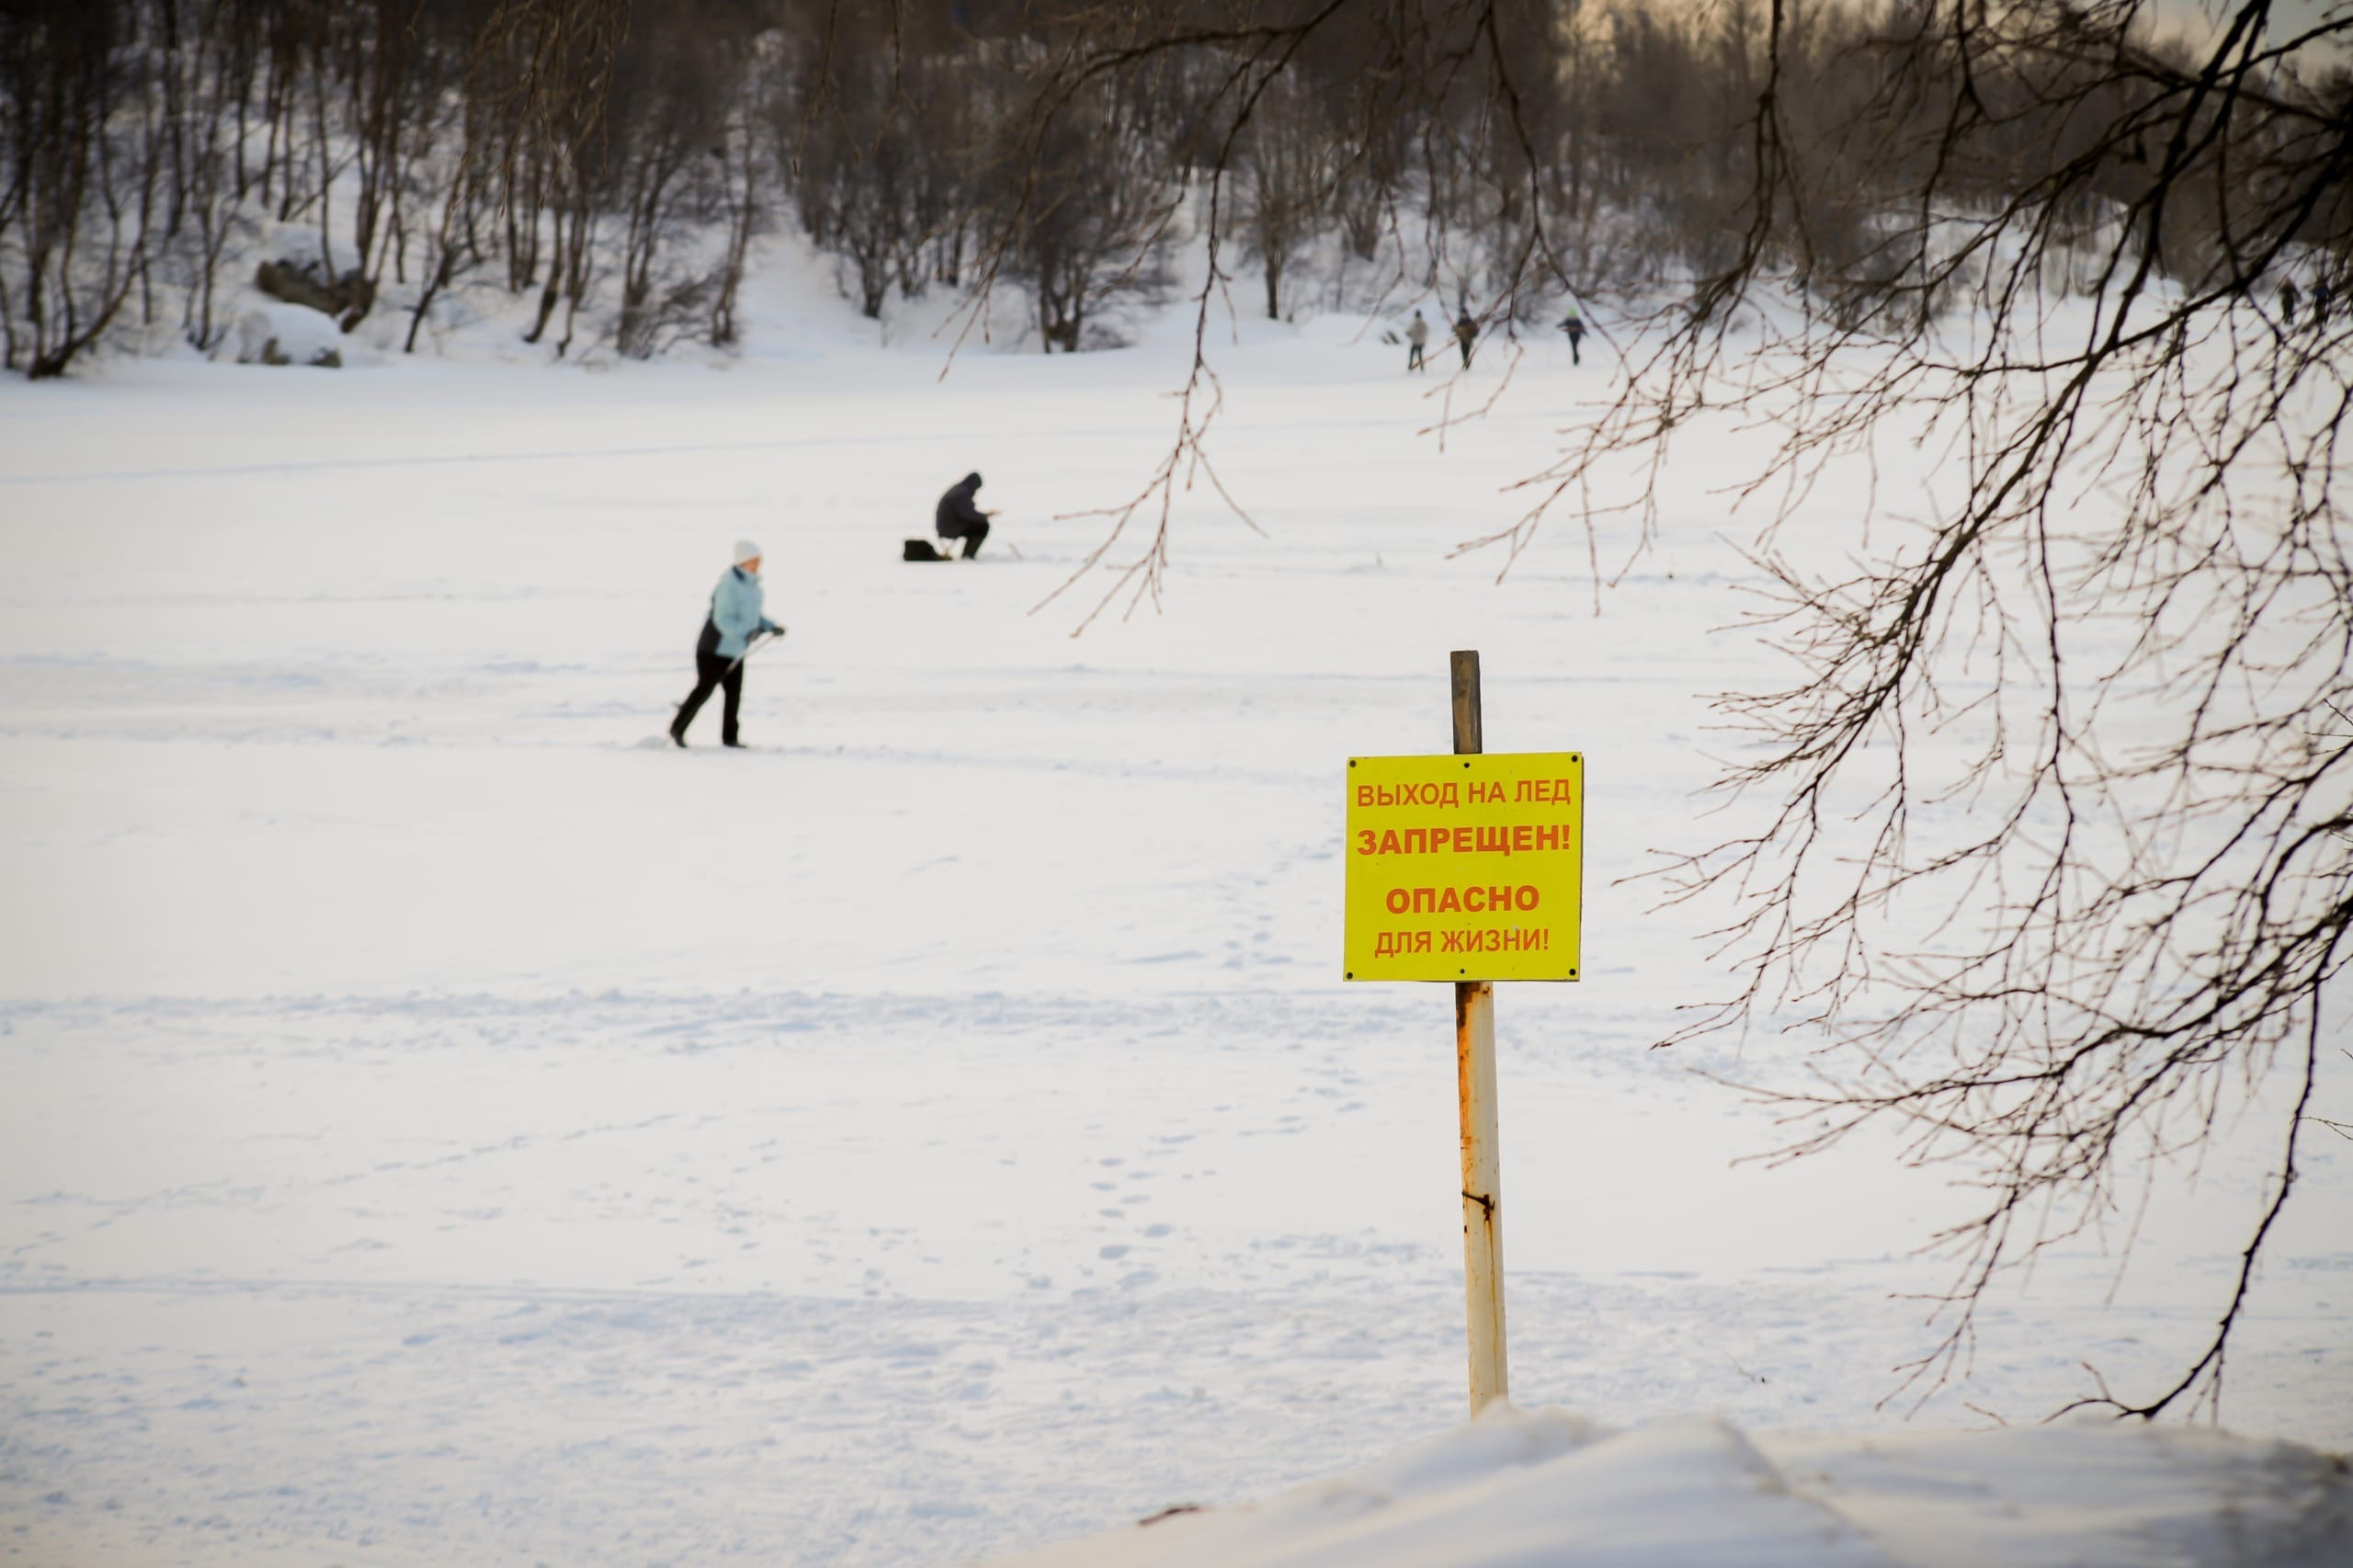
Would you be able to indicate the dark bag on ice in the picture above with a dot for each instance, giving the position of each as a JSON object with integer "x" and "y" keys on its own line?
{"x": 921, "y": 550}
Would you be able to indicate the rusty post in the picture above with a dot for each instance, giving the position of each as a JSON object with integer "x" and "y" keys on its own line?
{"x": 1474, "y": 1062}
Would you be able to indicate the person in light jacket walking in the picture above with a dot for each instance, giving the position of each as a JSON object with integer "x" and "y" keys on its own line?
{"x": 1417, "y": 337}
{"x": 737, "y": 616}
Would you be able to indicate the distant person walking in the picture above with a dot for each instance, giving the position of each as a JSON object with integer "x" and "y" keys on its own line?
{"x": 1465, "y": 332}
{"x": 1575, "y": 327}
{"x": 956, "y": 516}
{"x": 736, "y": 617}
{"x": 2322, "y": 299}
{"x": 2288, "y": 298}
{"x": 1417, "y": 337}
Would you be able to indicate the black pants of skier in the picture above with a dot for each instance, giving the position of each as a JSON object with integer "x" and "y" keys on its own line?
{"x": 971, "y": 536}
{"x": 1414, "y": 358}
{"x": 1575, "y": 358}
{"x": 713, "y": 670}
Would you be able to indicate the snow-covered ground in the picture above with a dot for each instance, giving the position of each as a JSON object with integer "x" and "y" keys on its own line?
{"x": 1547, "y": 1487}
{"x": 439, "y": 1128}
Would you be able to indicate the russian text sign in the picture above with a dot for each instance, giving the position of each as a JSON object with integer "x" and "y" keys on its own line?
{"x": 1466, "y": 867}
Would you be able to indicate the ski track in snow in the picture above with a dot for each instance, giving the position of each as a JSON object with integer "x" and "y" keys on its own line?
{"x": 440, "y": 1129}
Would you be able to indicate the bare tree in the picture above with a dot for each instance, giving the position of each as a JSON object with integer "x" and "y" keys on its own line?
{"x": 854, "y": 141}
{"x": 2052, "y": 244}
{"x": 1092, "y": 218}
{"x": 744, "y": 185}
{"x": 78, "y": 175}
{"x": 490, "y": 105}
{"x": 2052, "y": 855}
{"x": 555, "y": 155}
{"x": 666, "y": 119}
{"x": 1289, "y": 155}
{"x": 207, "y": 61}
{"x": 387, "y": 65}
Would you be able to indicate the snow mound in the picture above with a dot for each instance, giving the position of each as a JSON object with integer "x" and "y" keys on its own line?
{"x": 271, "y": 331}
{"x": 1522, "y": 1488}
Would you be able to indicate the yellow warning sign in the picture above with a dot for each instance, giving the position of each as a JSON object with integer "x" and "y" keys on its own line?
{"x": 1465, "y": 868}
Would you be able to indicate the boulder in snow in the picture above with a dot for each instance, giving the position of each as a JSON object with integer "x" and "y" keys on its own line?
{"x": 346, "y": 298}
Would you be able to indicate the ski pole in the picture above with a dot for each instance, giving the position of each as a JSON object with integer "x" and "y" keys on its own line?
{"x": 752, "y": 643}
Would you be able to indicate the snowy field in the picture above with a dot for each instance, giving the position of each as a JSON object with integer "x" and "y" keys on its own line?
{"x": 438, "y": 1128}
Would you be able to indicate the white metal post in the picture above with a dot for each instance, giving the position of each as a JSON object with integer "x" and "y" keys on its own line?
{"x": 1474, "y": 1058}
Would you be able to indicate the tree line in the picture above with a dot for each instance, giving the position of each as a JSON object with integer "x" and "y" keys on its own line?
{"x": 574, "y": 153}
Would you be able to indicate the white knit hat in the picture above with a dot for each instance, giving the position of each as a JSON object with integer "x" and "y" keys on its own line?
{"x": 746, "y": 549}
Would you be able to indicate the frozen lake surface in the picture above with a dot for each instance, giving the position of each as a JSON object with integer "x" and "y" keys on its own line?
{"x": 440, "y": 1127}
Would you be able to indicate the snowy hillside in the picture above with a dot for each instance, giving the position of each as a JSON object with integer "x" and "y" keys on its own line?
{"x": 441, "y": 1128}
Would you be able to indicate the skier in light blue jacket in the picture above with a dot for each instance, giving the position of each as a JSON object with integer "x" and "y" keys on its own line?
{"x": 737, "y": 616}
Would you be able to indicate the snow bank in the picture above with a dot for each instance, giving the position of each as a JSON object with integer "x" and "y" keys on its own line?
{"x": 1545, "y": 1486}
{"x": 273, "y": 332}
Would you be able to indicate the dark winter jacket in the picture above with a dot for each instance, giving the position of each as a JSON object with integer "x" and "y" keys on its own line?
{"x": 956, "y": 515}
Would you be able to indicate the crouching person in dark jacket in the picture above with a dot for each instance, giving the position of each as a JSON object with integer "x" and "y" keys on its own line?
{"x": 736, "y": 617}
{"x": 958, "y": 518}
